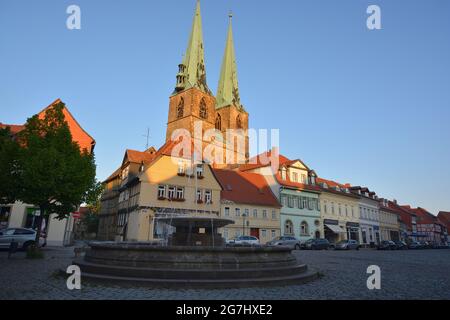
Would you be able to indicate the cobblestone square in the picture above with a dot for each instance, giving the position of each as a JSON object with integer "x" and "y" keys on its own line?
{"x": 411, "y": 274}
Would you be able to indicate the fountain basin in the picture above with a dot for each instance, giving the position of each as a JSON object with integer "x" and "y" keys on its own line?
{"x": 192, "y": 266}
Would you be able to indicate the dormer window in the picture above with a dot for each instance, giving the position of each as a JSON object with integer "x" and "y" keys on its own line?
{"x": 199, "y": 171}
{"x": 283, "y": 173}
{"x": 125, "y": 172}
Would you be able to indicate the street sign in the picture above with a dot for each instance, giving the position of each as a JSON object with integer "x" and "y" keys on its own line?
{"x": 76, "y": 215}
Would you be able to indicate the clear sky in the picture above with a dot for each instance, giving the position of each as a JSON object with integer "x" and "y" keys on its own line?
{"x": 366, "y": 107}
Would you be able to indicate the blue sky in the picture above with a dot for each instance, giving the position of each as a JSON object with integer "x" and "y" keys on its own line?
{"x": 367, "y": 107}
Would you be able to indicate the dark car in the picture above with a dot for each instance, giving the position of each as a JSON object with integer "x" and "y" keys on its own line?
{"x": 316, "y": 244}
{"x": 400, "y": 245}
{"x": 426, "y": 245}
{"x": 347, "y": 245}
{"x": 387, "y": 245}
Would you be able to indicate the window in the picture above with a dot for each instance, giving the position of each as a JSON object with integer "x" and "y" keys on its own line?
{"x": 237, "y": 212}
{"x": 203, "y": 109}
{"x": 325, "y": 207}
{"x": 283, "y": 200}
{"x": 125, "y": 172}
{"x": 264, "y": 233}
{"x": 161, "y": 191}
{"x": 181, "y": 168}
{"x": 171, "y": 193}
{"x": 199, "y": 171}
{"x": 340, "y": 209}
{"x": 225, "y": 233}
{"x": 304, "y": 203}
{"x": 273, "y": 234}
{"x": 199, "y": 195}
{"x": 238, "y": 233}
{"x": 238, "y": 122}
{"x": 265, "y": 214}
{"x": 346, "y": 211}
{"x": 290, "y": 201}
{"x": 180, "y": 193}
{"x": 303, "y": 178}
{"x": 304, "y": 230}
{"x": 255, "y": 213}
{"x": 283, "y": 174}
{"x": 218, "y": 122}
{"x": 246, "y": 212}
{"x": 310, "y": 204}
{"x": 227, "y": 212}
{"x": 295, "y": 176}
{"x": 208, "y": 196}
{"x": 274, "y": 215}
{"x": 180, "y": 108}
{"x": 332, "y": 208}
{"x": 288, "y": 228}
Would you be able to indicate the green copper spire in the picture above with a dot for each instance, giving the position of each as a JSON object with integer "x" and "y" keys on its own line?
{"x": 192, "y": 72}
{"x": 228, "y": 90}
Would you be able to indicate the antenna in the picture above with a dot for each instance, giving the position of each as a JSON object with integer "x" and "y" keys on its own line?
{"x": 148, "y": 138}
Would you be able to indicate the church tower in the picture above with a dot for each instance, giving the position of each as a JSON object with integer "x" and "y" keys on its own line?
{"x": 192, "y": 100}
{"x": 230, "y": 113}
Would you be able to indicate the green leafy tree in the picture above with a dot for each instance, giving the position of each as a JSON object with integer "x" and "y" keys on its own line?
{"x": 54, "y": 173}
{"x": 9, "y": 167}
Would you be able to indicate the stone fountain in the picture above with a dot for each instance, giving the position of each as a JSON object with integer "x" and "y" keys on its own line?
{"x": 195, "y": 257}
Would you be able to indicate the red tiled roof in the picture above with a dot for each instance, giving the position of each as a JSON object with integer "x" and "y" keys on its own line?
{"x": 444, "y": 216}
{"x": 332, "y": 184}
{"x": 245, "y": 187}
{"x": 135, "y": 156}
{"x": 424, "y": 216}
{"x": 255, "y": 162}
{"x": 14, "y": 128}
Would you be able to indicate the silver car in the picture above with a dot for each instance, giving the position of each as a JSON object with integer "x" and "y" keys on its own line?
{"x": 286, "y": 241}
{"x": 347, "y": 245}
{"x": 23, "y": 237}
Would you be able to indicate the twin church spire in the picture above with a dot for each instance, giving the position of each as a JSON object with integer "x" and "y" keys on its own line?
{"x": 192, "y": 72}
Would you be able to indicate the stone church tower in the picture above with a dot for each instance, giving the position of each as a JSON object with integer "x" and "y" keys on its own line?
{"x": 192, "y": 100}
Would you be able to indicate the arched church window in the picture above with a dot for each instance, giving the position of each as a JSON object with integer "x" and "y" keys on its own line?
{"x": 203, "y": 109}
{"x": 218, "y": 122}
{"x": 238, "y": 122}
{"x": 180, "y": 108}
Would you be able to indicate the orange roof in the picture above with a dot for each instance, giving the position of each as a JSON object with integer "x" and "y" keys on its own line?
{"x": 297, "y": 185}
{"x": 14, "y": 128}
{"x": 135, "y": 156}
{"x": 255, "y": 162}
{"x": 79, "y": 135}
{"x": 246, "y": 188}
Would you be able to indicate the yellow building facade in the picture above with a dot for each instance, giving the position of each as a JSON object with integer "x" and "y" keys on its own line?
{"x": 339, "y": 211}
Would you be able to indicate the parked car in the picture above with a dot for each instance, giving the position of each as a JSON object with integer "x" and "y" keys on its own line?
{"x": 315, "y": 244}
{"x": 414, "y": 245}
{"x": 244, "y": 240}
{"x": 400, "y": 245}
{"x": 387, "y": 245}
{"x": 347, "y": 245}
{"x": 23, "y": 237}
{"x": 287, "y": 241}
{"x": 426, "y": 245}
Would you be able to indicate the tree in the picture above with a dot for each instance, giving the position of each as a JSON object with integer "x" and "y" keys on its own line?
{"x": 9, "y": 167}
{"x": 54, "y": 173}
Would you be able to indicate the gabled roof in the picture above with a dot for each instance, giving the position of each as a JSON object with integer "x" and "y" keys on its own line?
{"x": 245, "y": 188}
{"x": 444, "y": 216}
{"x": 288, "y": 183}
{"x": 333, "y": 184}
{"x": 84, "y": 140}
{"x": 424, "y": 216}
{"x": 114, "y": 175}
{"x": 256, "y": 161}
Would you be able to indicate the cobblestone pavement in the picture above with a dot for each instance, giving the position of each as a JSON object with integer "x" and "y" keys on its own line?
{"x": 422, "y": 274}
